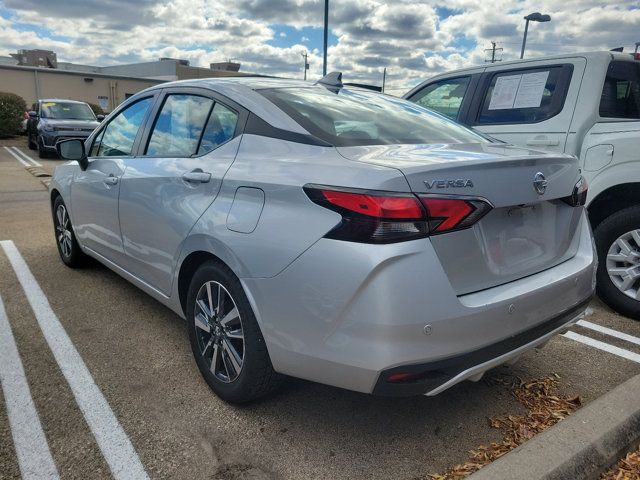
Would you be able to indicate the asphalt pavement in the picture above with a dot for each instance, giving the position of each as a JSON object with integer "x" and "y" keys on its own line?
{"x": 108, "y": 369}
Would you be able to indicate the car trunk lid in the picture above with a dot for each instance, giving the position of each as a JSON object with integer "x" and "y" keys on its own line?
{"x": 526, "y": 231}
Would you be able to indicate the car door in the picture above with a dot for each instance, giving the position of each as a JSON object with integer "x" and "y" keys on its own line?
{"x": 449, "y": 96}
{"x": 94, "y": 192}
{"x": 186, "y": 152}
{"x": 530, "y": 105}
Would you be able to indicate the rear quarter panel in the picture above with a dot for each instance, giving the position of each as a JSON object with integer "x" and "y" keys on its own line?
{"x": 289, "y": 222}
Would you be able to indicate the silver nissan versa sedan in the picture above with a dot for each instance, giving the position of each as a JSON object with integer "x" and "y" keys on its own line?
{"x": 328, "y": 233}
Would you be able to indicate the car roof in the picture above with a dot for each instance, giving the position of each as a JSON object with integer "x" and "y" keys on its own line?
{"x": 60, "y": 100}
{"x": 242, "y": 90}
{"x": 252, "y": 83}
{"x": 587, "y": 55}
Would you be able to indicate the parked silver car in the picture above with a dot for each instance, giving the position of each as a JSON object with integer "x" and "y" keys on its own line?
{"x": 328, "y": 233}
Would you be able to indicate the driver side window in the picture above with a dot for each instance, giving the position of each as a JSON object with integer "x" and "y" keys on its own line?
{"x": 118, "y": 137}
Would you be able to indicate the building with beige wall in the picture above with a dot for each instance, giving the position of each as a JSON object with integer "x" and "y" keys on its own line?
{"x": 32, "y": 83}
{"x": 24, "y": 74}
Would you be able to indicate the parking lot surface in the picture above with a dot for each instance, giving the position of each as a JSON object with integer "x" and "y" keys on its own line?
{"x": 110, "y": 374}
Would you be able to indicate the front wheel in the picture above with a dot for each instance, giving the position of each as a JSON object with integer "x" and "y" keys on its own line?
{"x": 225, "y": 337}
{"x": 66, "y": 242}
{"x": 618, "y": 244}
{"x": 30, "y": 143}
{"x": 42, "y": 153}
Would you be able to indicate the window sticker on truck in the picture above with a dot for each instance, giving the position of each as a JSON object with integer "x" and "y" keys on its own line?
{"x": 519, "y": 91}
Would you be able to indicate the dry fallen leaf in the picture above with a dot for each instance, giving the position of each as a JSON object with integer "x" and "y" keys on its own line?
{"x": 545, "y": 408}
{"x": 628, "y": 468}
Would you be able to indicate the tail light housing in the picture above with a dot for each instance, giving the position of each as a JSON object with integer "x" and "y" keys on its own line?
{"x": 387, "y": 217}
{"x": 579, "y": 195}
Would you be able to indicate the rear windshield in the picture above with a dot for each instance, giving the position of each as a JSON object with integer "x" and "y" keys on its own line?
{"x": 621, "y": 91}
{"x": 67, "y": 111}
{"x": 355, "y": 117}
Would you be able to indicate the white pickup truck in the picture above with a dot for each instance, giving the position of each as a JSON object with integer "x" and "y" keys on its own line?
{"x": 584, "y": 104}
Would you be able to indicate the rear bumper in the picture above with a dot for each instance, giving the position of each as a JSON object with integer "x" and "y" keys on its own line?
{"x": 440, "y": 375}
{"x": 347, "y": 314}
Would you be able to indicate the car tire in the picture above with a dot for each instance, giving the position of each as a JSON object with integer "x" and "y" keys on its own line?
{"x": 614, "y": 236}
{"x": 41, "y": 151}
{"x": 70, "y": 253}
{"x": 30, "y": 143}
{"x": 215, "y": 335}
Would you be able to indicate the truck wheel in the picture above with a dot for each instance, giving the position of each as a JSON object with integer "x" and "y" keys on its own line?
{"x": 618, "y": 244}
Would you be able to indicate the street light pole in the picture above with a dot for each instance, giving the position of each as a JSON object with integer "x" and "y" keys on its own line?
{"x": 533, "y": 17}
{"x": 524, "y": 39}
{"x": 326, "y": 36}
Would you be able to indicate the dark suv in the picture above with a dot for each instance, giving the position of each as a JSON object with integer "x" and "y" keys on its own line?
{"x": 53, "y": 120}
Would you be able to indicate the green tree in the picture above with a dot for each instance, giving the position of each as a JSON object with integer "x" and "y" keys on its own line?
{"x": 12, "y": 108}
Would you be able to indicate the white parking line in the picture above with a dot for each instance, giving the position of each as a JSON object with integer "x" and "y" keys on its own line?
{"x": 17, "y": 157}
{"x": 26, "y": 157}
{"x": 620, "y": 352}
{"x": 609, "y": 331}
{"x": 111, "y": 438}
{"x": 34, "y": 457}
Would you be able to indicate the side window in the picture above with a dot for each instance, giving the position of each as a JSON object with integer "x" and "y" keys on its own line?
{"x": 220, "y": 128}
{"x": 621, "y": 93}
{"x": 117, "y": 138}
{"x": 444, "y": 96}
{"x": 524, "y": 96}
{"x": 179, "y": 126}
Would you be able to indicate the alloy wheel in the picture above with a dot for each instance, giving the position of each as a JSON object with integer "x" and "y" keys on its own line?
{"x": 63, "y": 231}
{"x": 623, "y": 263}
{"x": 219, "y": 331}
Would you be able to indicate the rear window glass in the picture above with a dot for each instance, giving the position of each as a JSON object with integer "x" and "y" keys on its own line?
{"x": 355, "y": 117}
{"x": 523, "y": 96}
{"x": 621, "y": 91}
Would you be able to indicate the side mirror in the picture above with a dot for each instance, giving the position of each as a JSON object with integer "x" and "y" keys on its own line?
{"x": 100, "y": 117}
{"x": 33, "y": 114}
{"x": 73, "y": 149}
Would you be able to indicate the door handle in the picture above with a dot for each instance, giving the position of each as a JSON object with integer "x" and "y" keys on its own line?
{"x": 543, "y": 141}
{"x": 197, "y": 176}
{"x": 111, "y": 180}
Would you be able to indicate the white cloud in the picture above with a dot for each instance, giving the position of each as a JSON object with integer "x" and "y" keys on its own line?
{"x": 409, "y": 38}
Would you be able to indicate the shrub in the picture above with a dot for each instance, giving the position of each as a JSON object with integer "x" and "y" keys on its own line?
{"x": 97, "y": 109}
{"x": 12, "y": 108}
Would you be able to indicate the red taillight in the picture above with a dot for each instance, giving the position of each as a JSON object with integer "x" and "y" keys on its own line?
{"x": 447, "y": 214}
{"x": 579, "y": 195}
{"x": 376, "y": 205}
{"x": 387, "y": 217}
{"x": 636, "y": 56}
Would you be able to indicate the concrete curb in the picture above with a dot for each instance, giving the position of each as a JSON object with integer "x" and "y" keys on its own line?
{"x": 581, "y": 446}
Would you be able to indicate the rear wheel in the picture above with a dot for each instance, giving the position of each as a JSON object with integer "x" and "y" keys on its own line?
{"x": 66, "y": 242}
{"x": 618, "y": 243}
{"x": 225, "y": 337}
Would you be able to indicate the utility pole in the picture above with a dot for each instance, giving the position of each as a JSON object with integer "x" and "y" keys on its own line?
{"x": 384, "y": 78}
{"x": 326, "y": 36}
{"x": 306, "y": 64}
{"x": 493, "y": 51}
